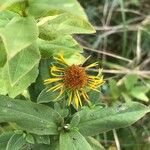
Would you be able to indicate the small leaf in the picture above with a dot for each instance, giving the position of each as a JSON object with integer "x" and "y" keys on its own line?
{"x": 46, "y": 97}
{"x": 30, "y": 139}
{"x": 126, "y": 97}
{"x": 16, "y": 142}
{"x": 76, "y": 58}
{"x": 114, "y": 88}
{"x": 62, "y": 111}
{"x": 94, "y": 144}
{"x": 75, "y": 121}
{"x": 130, "y": 81}
{"x": 42, "y": 139}
{"x": 73, "y": 141}
{"x": 4, "y": 138}
{"x": 139, "y": 92}
{"x": 35, "y": 118}
{"x": 98, "y": 120}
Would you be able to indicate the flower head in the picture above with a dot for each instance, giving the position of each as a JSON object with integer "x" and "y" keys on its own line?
{"x": 74, "y": 80}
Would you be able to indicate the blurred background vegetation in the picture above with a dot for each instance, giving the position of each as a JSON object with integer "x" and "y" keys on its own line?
{"x": 122, "y": 46}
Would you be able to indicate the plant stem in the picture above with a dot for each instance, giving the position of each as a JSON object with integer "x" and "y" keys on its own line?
{"x": 116, "y": 139}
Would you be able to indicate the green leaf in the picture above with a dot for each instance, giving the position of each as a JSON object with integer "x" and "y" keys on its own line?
{"x": 73, "y": 140}
{"x": 94, "y": 144}
{"x": 19, "y": 72}
{"x": 64, "y": 112}
{"x": 75, "y": 58}
{"x": 75, "y": 121}
{"x": 42, "y": 8}
{"x": 139, "y": 92}
{"x": 23, "y": 62}
{"x": 3, "y": 54}
{"x": 130, "y": 81}
{"x": 16, "y": 142}
{"x": 6, "y": 3}
{"x": 45, "y": 97}
{"x": 126, "y": 97}
{"x": 65, "y": 24}
{"x": 18, "y": 34}
{"x": 114, "y": 88}
{"x": 5, "y": 17}
{"x": 34, "y": 118}
{"x": 30, "y": 139}
{"x": 42, "y": 139}
{"x": 4, "y": 138}
{"x": 98, "y": 120}
{"x": 66, "y": 45}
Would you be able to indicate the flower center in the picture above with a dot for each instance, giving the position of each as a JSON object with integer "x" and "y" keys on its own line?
{"x": 75, "y": 77}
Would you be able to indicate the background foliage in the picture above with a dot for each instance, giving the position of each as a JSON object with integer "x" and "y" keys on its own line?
{"x": 32, "y": 31}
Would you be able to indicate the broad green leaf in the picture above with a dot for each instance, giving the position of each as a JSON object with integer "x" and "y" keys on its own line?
{"x": 65, "y": 45}
{"x": 19, "y": 72}
{"x": 139, "y": 92}
{"x": 65, "y": 24}
{"x": 130, "y": 81}
{"x": 4, "y": 138}
{"x": 18, "y": 34}
{"x": 73, "y": 140}
{"x": 6, "y": 3}
{"x": 32, "y": 117}
{"x": 5, "y": 17}
{"x": 98, "y": 120}
{"x": 94, "y": 144}
{"x": 23, "y": 62}
{"x": 16, "y": 142}
{"x": 23, "y": 83}
{"x": 42, "y": 8}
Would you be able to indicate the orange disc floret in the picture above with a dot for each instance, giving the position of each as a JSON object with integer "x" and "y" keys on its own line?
{"x": 75, "y": 77}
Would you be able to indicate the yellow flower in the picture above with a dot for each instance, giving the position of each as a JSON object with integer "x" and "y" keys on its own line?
{"x": 74, "y": 80}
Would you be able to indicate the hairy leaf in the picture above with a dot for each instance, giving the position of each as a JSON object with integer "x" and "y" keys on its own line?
{"x": 4, "y": 138}
{"x": 42, "y": 8}
{"x": 97, "y": 120}
{"x": 18, "y": 34}
{"x": 66, "y": 45}
{"x": 73, "y": 140}
{"x": 16, "y": 142}
{"x": 65, "y": 24}
{"x": 34, "y": 118}
{"x": 20, "y": 71}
